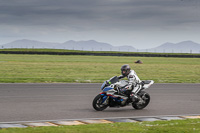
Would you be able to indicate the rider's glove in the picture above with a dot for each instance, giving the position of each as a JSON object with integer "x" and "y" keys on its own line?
{"x": 108, "y": 82}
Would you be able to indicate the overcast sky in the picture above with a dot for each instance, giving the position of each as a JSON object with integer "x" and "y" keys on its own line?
{"x": 139, "y": 23}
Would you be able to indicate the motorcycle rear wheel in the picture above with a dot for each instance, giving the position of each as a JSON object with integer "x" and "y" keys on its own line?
{"x": 145, "y": 101}
{"x": 97, "y": 103}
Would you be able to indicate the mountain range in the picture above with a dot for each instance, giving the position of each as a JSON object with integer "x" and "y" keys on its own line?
{"x": 92, "y": 45}
{"x": 181, "y": 47}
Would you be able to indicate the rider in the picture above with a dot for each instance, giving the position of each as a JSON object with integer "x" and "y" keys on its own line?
{"x": 134, "y": 83}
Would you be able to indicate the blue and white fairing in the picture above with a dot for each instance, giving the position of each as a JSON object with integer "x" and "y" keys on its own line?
{"x": 108, "y": 92}
{"x": 104, "y": 94}
{"x": 107, "y": 89}
{"x": 103, "y": 85}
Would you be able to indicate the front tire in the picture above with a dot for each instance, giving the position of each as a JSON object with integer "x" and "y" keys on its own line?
{"x": 143, "y": 101}
{"x": 97, "y": 103}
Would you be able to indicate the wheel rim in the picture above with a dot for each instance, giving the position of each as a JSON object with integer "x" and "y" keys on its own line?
{"x": 99, "y": 103}
{"x": 145, "y": 100}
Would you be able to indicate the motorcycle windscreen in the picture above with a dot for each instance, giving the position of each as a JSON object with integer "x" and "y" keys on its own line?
{"x": 114, "y": 79}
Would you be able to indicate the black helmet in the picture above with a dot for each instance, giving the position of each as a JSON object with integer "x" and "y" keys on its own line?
{"x": 125, "y": 70}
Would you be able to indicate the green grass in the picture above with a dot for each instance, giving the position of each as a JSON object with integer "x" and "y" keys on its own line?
{"x": 173, "y": 126}
{"x": 95, "y": 69}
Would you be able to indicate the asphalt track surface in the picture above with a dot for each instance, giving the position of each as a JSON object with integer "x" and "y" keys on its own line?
{"x": 32, "y": 102}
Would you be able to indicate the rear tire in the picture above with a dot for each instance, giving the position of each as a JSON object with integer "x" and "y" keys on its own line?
{"x": 97, "y": 103}
{"x": 145, "y": 99}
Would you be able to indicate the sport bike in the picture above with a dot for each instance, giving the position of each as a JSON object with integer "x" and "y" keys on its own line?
{"x": 111, "y": 89}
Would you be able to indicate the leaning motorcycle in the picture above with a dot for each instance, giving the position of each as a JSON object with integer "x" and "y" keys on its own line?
{"x": 111, "y": 87}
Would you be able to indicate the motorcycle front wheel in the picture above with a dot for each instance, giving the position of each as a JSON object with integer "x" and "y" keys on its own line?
{"x": 97, "y": 103}
{"x": 143, "y": 101}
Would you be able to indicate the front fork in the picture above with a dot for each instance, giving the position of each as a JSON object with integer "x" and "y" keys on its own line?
{"x": 105, "y": 98}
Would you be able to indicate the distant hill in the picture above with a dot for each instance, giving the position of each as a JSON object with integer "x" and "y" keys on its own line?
{"x": 181, "y": 47}
{"x": 29, "y": 44}
{"x": 92, "y": 45}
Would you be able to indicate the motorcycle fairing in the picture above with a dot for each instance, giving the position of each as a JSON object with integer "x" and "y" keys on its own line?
{"x": 107, "y": 89}
{"x": 103, "y": 85}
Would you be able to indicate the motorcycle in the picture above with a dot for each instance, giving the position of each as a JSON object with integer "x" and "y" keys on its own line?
{"x": 109, "y": 98}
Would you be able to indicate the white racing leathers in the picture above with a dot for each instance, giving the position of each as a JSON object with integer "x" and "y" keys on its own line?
{"x": 133, "y": 82}
{"x": 133, "y": 85}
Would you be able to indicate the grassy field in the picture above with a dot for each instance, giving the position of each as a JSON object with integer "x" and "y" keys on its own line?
{"x": 95, "y": 69}
{"x": 174, "y": 126}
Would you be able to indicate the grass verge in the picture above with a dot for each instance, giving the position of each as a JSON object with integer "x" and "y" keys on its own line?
{"x": 94, "y": 69}
{"x": 173, "y": 126}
